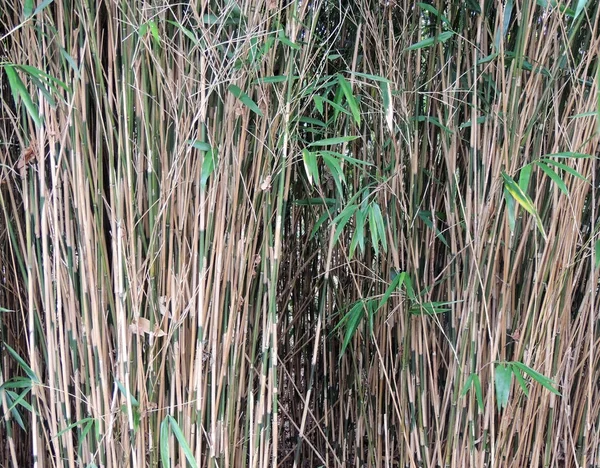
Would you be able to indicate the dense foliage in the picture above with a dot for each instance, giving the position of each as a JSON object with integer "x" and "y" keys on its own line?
{"x": 300, "y": 233}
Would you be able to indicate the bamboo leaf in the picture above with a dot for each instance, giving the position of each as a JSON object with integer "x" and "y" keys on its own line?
{"x": 318, "y": 100}
{"x": 525, "y": 177}
{"x": 41, "y": 6}
{"x": 81, "y": 422}
{"x": 581, "y": 4}
{"x": 478, "y": 392}
{"x": 426, "y": 217}
{"x": 245, "y": 99}
{"x": 376, "y": 213}
{"x": 554, "y": 176}
{"x": 19, "y": 90}
{"x": 597, "y": 253}
{"x": 539, "y": 378}
{"x": 127, "y": 395}
{"x": 200, "y": 145}
{"x": 374, "y": 231}
{"x": 28, "y": 370}
{"x": 523, "y": 200}
{"x": 164, "y": 443}
{"x": 350, "y": 99}
{"x": 311, "y": 167}
{"x": 397, "y": 282}
{"x": 441, "y": 38}
{"x": 569, "y": 154}
{"x": 27, "y": 9}
{"x": 333, "y": 141}
{"x": 467, "y": 385}
{"x": 368, "y": 76}
{"x": 358, "y": 238}
{"x": 431, "y": 9}
{"x": 342, "y": 219}
{"x": 431, "y": 308}
{"x": 520, "y": 380}
{"x": 503, "y": 380}
{"x": 565, "y": 168}
{"x": 351, "y": 160}
{"x": 352, "y": 320}
{"x": 182, "y": 442}
{"x": 208, "y": 166}
{"x": 284, "y": 40}
{"x": 336, "y": 171}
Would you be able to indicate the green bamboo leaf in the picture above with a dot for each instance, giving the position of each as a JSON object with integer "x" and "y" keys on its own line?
{"x": 154, "y": 31}
{"x": 19, "y": 399}
{"x": 347, "y": 90}
{"x": 523, "y": 199}
{"x": 337, "y": 108}
{"x": 478, "y": 392}
{"x": 315, "y": 201}
{"x": 351, "y": 160}
{"x": 510, "y": 209}
{"x": 353, "y": 319}
{"x": 81, "y": 422}
{"x": 333, "y": 141}
{"x": 374, "y": 231}
{"x": 502, "y": 381}
{"x": 71, "y": 61}
{"x": 33, "y": 71}
{"x": 324, "y": 217}
{"x": 127, "y": 394}
{"x": 358, "y": 238}
{"x": 311, "y": 121}
{"x": 565, "y": 168}
{"x": 431, "y": 308}
{"x": 318, "y": 100}
{"x": 554, "y": 176}
{"x": 189, "y": 34}
{"x": 182, "y": 442}
{"x": 41, "y": 6}
{"x": 597, "y": 253}
{"x": 16, "y": 382}
{"x": 467, "y": 386}
{"x": 368, "y": 76}
{"x": 432, "y": 120}
{"x": 584, "y": 114}
{"x": 311, "y": 167}
{"x": 19, "y": 90}
{"x": 569, "y": 154}
{"x": 426, "y": 217}
{"x": 208, "y": 166}
{"x": 581, "y": 4}
{"x": 28, "y": 370}
{"x": 376, "y": 213}
{"x": 164, "y": 443}
{"x": 441, "y": 38}
{"x": 245, "y": 99}
{"x": 397, "y": 282}
{"x": 539, "y": 378}
{"x": 431, "y": 9}
{"x": 27, "y": 9}
{"x": 284, "y": 40}
{"x": 200, "y": 145}
{"x": 336, "y": 171}
{"x": 521, "y": 380}
{"x": 342, "y": 219}
{"x": 525, "y": 177}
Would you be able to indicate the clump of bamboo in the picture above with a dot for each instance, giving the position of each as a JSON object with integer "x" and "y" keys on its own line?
{"x": 272, "y": 233}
